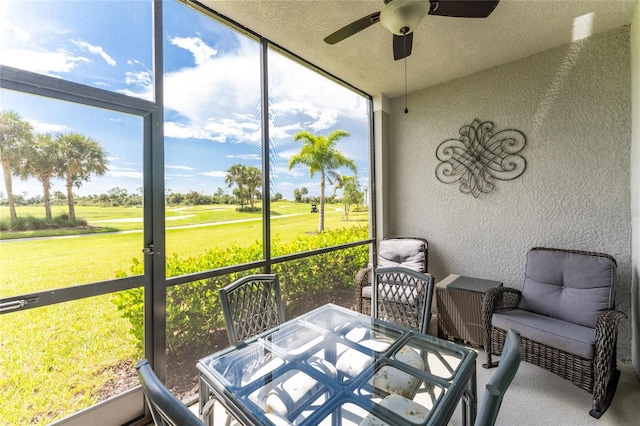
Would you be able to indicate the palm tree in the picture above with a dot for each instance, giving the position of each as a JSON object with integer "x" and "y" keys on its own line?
{"x": 253, "y": 180}
{"x": 15, "y": 135}
{"x": 351, "y": 193}
{"x": 43, "y": 161}
{"x": 320, "y": 155}
{"x": 82, "y": 157}
{"x": 236, "y": 175}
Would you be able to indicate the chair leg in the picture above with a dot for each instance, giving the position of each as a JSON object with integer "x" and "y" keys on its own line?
{"x": 490, "y": 363}
{"x": 488, "y": 344}
{"x": 599, "y": 407}
{"x": 207, "y": 412}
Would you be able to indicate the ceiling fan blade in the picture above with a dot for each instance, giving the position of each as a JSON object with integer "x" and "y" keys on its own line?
{"x": 463, "y": 8}
{"x": 352, "y": 28}
{"x": 402, "y": 46}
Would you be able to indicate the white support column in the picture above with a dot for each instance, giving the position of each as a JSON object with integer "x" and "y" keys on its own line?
{"x": 381, "y": 145}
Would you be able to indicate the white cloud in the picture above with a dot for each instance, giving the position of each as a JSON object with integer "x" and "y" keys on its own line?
{"x": 288, "y": 153}
{"x": 296, "y": 172}
{"x": 15, "y": 31}
{"x": 142, "y": 82}
{"x": 179, "y": 167}
{"x": 139, "y": 78}
{"x": 214, "y": 173}
{"x": 255, "y": 157}
{"x": 116, "y": 168}
{"x": 21, "y": 35}
{"x": 279, "y": 131}
{"x": 178, "y": 175}
{"x": 201, "y": 52}
{"x": 218, "y": 98}
{"x": 186, "y": 131}
{"x": 49, "y": 63}
{"x": 305, "y": 91}
{"x": 238, "y": 128}
{"x": 96, "y": 50}
{"x": 40, "y": 127}
{"x": 215, "y": 129}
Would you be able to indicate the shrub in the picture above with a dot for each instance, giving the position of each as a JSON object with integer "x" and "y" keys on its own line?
{"x": 249, "y": 209}
{"x": 193, "y": 311}
{"x": 30, "y": 223}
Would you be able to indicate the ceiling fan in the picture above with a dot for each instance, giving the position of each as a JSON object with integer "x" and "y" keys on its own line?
{"x": 402, "y": 17}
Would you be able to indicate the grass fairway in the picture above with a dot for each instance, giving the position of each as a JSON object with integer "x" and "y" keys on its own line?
{"x": 54, "y": 360}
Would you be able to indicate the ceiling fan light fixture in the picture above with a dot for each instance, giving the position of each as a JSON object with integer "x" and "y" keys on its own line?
{"x": 403, "y": 16}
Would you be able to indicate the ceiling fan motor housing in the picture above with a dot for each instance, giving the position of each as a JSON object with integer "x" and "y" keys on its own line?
{"x": 402, "y": 17}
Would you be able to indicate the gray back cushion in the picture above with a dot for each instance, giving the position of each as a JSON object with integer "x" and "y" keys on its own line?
{"x": 572, "y": 287}
{"x": 404, "y": 252}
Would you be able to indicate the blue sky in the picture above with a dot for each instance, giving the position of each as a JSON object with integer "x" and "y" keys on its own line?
{"x": 211, "y": 88}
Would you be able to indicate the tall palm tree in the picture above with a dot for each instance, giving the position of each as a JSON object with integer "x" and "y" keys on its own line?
{"x": 253, "y": 180}
{"x": 320, "y": 155}
{"x": 82, "y": 156}
{"x": 236, "y": 175}
{"x": 15, "y": 135}
{"x": 43, "y": 161}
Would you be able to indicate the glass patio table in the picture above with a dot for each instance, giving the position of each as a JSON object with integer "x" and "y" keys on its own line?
{"x": 335, "y": 366}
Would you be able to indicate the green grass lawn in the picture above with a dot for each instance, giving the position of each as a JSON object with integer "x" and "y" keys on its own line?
{"x": 54, "y": 360}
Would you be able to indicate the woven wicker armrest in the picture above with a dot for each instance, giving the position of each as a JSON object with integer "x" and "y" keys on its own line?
{"x": 604, "y": 364}
{"x": 363, "y": 279}
{"x": 496, "y": 299}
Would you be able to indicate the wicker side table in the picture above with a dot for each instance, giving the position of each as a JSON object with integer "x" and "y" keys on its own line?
{"x": 459, "y": 303}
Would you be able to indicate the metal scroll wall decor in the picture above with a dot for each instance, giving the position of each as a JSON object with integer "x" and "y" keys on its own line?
{"x": 480, "y": 157}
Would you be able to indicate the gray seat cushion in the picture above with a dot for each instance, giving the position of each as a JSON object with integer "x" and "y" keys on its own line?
{"x": 404, "y": 252}
{"x": 565, "y": 336}
{"x": 572, "y": 287}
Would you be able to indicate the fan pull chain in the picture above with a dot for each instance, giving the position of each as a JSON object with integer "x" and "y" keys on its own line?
{"x": 404, "y": 42}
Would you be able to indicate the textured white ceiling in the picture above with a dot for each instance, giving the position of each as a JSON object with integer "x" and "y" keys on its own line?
{"x": 443, "y": 48}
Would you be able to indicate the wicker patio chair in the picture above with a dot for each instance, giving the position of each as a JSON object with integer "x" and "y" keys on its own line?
{"x": 251, "y": 305}
{"x": 498, "y": 383}
{"x": 407, "y": 252}
{"x": 403, "y": 297}
{"x": 566, "y": 318}
{"x": 166, "y": 409}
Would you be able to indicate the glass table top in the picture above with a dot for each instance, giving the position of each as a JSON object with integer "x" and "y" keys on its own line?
{"x": 336, "y": 366}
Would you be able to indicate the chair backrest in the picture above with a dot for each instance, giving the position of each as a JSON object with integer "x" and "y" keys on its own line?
{"x": 251, "y": 305}
{"x": 497, "y": 385}
{"x": 407, "y": 252}
{"x": 165, "y": 408}
{"x": 573, "y": 286}
{"x": 403, "y": 296}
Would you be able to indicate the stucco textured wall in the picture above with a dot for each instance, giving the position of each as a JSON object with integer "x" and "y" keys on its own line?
{"x": 635, "y": 185}
{"x": 573, "y": 104}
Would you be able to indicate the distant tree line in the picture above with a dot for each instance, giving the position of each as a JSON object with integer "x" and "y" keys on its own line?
{"x": 121, "y": 197}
